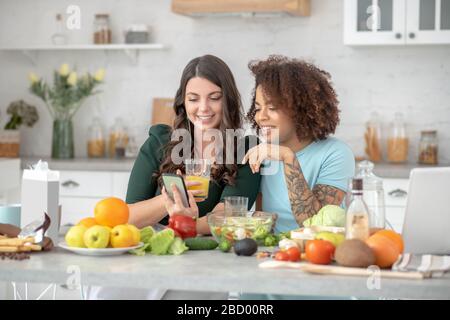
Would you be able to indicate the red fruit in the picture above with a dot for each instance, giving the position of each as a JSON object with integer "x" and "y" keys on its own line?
{"x": 281, "y": 256}
{"x": 294, "y": 254}
{"x": 319, "y": 251}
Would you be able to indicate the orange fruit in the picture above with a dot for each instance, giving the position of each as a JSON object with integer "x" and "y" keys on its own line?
{"x": 386, "y": 250}
{"x": 394, "y": 236}
{"x": 111, "y": 212}
{"x": 87, "y": 222}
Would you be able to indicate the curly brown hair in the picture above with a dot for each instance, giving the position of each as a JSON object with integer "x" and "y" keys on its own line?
{"x": 302, "y": 90}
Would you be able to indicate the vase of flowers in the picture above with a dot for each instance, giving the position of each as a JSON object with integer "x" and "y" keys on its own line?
{"x": 63, "y": 100}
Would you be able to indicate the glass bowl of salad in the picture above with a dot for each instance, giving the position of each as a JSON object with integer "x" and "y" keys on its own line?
{"x": 234, "y": 226}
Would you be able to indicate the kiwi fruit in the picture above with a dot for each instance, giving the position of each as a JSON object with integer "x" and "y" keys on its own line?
{"x": 354, "y": 253}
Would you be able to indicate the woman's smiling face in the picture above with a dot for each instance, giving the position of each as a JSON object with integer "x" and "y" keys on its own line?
{"x": 276, "y": 126}
{"x": 203, "y": 102}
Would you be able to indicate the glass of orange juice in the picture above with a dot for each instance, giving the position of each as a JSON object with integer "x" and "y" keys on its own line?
{"x": 198, "y": 170}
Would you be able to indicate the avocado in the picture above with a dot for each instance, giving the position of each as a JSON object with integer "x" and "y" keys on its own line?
{"x": 354, "y": 253}
{"x": 245, "y": 247}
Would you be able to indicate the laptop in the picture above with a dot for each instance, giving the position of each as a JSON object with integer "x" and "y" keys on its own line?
{"x": 426, "y": 228}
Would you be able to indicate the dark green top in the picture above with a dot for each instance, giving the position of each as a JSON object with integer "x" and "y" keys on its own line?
{"x": 143, "y": 186}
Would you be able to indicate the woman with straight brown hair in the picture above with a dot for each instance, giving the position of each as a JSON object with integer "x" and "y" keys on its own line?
{"x": 207, "y": 99}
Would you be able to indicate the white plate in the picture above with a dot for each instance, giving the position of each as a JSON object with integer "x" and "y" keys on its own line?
{"x": 98, "y": 252}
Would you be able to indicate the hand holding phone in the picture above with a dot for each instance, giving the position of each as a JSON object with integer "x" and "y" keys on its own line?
{"x": 170, "y": 179}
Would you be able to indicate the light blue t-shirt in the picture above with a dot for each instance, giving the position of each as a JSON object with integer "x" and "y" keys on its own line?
{"x": 330, "y": 162}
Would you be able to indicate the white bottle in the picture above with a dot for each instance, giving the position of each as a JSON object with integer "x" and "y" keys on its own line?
{"x": 357, "y": 219}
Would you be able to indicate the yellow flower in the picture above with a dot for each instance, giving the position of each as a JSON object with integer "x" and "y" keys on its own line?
{"x": 99, "y": 75}
{"x": 33, "y": 77}
{"x": 64, "y": 70}
{"x": 72, "y": 79}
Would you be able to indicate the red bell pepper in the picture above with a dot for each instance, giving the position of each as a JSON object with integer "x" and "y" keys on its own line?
{"x": 185, "y": 226}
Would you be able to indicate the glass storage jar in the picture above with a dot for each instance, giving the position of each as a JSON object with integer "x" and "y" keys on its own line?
{"x": 397, "y": 142}
{"x": 96, "y": 141}
{"x": 102, "y": 29}
{"x": 372, "y": 137}
{"x": 428, "y": 147}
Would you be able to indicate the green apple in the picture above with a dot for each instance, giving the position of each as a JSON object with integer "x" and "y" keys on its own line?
{"x": 335, "y": 238}
{"x": 97, "y": 237}
{"x": 75, "y": 236}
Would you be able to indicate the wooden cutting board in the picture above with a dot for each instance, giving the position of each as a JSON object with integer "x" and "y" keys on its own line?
{"x": 342, "y": 271}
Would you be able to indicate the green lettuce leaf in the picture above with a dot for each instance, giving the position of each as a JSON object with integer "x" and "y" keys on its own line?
{"x": 161, "y": 241}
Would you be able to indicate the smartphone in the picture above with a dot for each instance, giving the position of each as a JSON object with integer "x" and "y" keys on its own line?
{"x": 169, "y": 179}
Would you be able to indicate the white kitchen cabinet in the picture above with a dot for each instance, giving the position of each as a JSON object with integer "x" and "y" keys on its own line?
{"x": 81, "y": 190}
{"x": 396, "y": 22}
{"x": 428, "y": 21}
{"x": 395, "y": 197}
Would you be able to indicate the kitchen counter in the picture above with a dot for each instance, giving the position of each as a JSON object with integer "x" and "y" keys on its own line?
{"x": 209, "y": 271}
{"x": 399, "y": 171}
{"x": 83, "y": 164}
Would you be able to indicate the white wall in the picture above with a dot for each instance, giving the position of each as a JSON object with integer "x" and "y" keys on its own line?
{"x": 414, "y": 79}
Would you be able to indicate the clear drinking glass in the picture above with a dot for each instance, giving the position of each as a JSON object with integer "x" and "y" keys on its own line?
{"x": 198, "y": 170}
{"x": 236, "y": 205}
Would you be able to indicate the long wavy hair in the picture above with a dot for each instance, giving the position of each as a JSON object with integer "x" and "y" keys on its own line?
{"x": 215, "y": 70}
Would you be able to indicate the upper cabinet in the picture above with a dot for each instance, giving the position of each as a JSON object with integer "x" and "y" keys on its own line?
{"x": 396, "y": 22}
{"x": 205, "y": 7}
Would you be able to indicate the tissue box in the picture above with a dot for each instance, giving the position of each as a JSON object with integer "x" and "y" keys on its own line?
{"x": 40, "y": 193}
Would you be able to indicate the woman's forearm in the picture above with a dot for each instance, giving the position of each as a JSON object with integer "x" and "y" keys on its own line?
{"x": 304, "y": 203}
{"x": 202, "y": 223}
{"x": 147, "y": 212}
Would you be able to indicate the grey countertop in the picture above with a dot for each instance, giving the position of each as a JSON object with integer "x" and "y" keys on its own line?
{"x": 83, "y": 164}
{"x": 399, "y": 171}
{"x": 385, "y": 170}
{"x": 208, "y": 271}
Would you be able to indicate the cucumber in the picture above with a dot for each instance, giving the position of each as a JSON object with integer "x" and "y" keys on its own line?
{"x": 199, "y": 243}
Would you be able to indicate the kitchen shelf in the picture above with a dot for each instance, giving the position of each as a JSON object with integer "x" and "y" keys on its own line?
{"x": 130, "y": 50}
{"x": 196, "y": 8}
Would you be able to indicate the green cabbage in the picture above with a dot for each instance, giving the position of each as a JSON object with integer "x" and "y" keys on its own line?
{"x": 177, "y": 247}
{"x": 146, "y": 234}
{"x": 328, "y": 216}
{"x": 161, "y": 241}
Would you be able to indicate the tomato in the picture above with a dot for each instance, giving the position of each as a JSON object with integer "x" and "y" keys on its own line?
{"x": 281, "y": 256}
{"x": 294, "y": 254}
{"x": 319, "y": 251}
{"x": 186, "y": 226}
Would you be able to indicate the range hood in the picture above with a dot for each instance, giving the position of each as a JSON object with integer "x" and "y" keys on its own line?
{"x": 241, "y": 7}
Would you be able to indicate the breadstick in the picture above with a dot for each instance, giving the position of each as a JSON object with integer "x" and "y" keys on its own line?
{"x": 9, "y": 249}
{"x": 31, "y": 247}
{"x": 15, "y": 242}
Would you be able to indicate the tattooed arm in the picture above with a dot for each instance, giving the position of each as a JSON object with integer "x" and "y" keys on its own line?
{"x": 305, "y": 202}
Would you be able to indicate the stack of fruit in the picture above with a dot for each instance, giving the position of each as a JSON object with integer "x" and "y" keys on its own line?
{"x": 108, "y": 228}
{"x": 382, "y": 248}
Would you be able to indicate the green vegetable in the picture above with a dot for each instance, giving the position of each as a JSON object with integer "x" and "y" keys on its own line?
{"x": 177, "y": 247}
{"x": 260, "y": 233}
{"x": 161, "y": 241}
{"x": 199, "y": 243}
{"x": 284, "y": 235}
{"x": 271, "y": 240}
{"x": 329, "y": 216}
{"x": 141, "y": 251}
{"x": 225, "y": 245}
{"x": 146, "y": 234}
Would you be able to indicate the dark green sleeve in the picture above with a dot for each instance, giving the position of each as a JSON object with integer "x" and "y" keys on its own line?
{"x": 246, "y": 183}
{"x": 142, "y": 185}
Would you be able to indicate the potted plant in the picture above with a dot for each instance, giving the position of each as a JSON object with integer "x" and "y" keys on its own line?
{"x": 63, "y": 99}
{"x": 21, "y": 113}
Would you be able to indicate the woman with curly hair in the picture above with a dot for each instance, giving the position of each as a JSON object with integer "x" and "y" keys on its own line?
{"x": 295, "y": 108}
